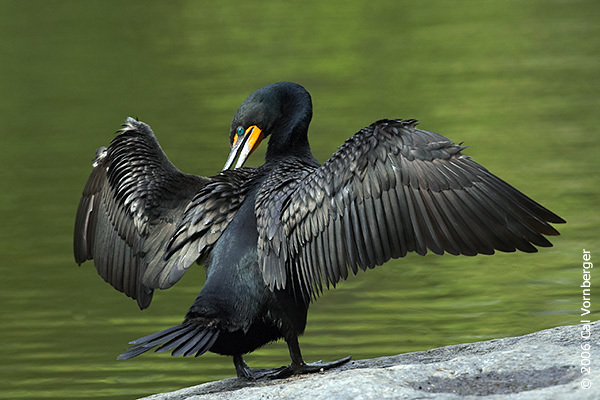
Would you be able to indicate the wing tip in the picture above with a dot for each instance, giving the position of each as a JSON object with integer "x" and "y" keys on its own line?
{"x": 135, "y": 125}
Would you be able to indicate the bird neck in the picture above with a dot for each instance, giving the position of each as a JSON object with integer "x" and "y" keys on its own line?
{"x": 292, "y": 144}
{"x": 289, "y": 135}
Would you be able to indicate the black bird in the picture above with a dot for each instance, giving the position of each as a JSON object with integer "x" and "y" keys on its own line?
{"x": 273, "y": 236}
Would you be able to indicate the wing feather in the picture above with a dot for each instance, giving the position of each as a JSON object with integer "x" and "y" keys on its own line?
{"x": 135, "y": 201}
{"x": 389, "y": 190}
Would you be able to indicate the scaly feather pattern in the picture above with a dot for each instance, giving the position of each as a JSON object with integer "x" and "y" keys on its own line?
{"x": 390, "y": 189}
{"x": 136, "y": 202}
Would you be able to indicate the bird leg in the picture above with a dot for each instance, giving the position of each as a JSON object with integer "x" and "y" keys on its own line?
{"x": 297, "y": 367}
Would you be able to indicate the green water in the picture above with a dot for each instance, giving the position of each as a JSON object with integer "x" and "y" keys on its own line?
{"x": 517, "y": 81}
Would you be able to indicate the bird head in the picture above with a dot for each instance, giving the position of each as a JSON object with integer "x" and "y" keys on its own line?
{"x": 281, "y": 110}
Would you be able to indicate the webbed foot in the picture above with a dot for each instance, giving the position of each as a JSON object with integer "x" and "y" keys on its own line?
{"x": 299, "y": 369}
{"x": 244, "y": 371}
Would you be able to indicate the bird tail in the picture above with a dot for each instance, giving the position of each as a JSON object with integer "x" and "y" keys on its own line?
{"x": 184, "y": 339}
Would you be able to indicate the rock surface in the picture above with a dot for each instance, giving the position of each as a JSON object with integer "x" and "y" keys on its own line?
{"x": 541, "y": 365}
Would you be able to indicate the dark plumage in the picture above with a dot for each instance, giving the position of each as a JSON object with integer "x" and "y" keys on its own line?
{"x": 273, "y": 236}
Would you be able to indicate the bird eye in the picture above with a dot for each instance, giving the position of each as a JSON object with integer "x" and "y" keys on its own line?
{"x": 239, "y": 130}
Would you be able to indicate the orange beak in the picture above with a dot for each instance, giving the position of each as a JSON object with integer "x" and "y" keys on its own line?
{"x": 243, "y": 145}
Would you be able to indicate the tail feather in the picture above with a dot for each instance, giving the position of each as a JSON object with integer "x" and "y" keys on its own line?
{"x": 154, "y": 335}
{"x": 183, "y": 338}
{"x": 186, "y": 339}
{"x": 193, "y": 345}
{"x": 164, "y": 338}
{"x": 205, "y": 343}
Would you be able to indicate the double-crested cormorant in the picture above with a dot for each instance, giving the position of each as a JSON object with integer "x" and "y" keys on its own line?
{"x": 273, "y": 236}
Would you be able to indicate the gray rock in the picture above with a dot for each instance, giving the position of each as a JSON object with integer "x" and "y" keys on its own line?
{"x": 541, "y": 365}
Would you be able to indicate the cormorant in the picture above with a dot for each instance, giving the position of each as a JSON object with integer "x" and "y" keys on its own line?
{"x": 273, "y": 236}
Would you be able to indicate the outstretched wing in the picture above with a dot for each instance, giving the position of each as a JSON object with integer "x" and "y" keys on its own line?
{"x": 133, "y": 202}
{"x": 389, "y": 190}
